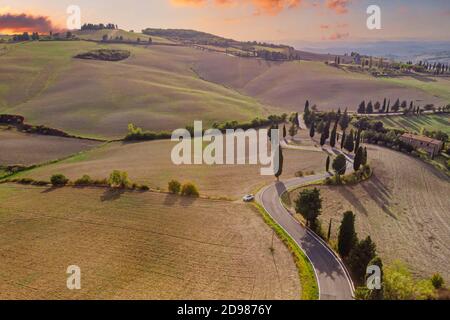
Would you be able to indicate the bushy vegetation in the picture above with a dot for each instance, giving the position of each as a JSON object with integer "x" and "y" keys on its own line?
{"x": 84, "y": 181}
{"x": 105, "y": 55}
{"x": 137, "y": 134}
{"x": 309, "y": 205}
{"x": 119, "y": 179}
{"x": 174, "y": 187}
{"x": 399, "y": 284}
{"x": 253, "y": 124}
{"x": 189, "y": 190}
{"x": 353, "y": 178}
{"x": 59, "y": 180}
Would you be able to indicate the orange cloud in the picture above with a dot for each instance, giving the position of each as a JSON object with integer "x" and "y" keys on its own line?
{"x": 271, "y": 7}
{"x": 340, "y": 6}
{"x": 194, "y": 3}
{"x": 18, "y": 23}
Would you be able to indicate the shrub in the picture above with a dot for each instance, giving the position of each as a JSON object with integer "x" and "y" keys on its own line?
{"x": 118, "y": 179}
{"x": 299, "y": 174}
{"x": 437, "y": 281}
{"x": 174, "y": 187}
{"x": 189, "y": 190}
{"x": 399, "y": 284}
{"x": 143, "y": 187}
{"x": 58, "y": 180}
{"x": 84, "y": 181}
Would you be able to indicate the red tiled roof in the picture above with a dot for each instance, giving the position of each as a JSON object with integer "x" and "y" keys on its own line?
{"x": 421, "y": 138}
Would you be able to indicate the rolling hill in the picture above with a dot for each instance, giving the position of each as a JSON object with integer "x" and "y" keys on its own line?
{"x": 155, "y": 88}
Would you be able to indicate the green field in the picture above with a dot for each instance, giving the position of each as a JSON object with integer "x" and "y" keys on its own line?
{"x": 127, "y": 36}
{"x": 432, "y": 122}
{"x": 155, "y": 88}
{"x": 439, "y": 87}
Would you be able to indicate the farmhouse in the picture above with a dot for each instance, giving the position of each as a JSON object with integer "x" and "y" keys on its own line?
{"x": 432, "y": 146}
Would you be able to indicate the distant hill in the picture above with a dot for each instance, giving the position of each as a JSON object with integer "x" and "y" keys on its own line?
{"x": 268, "y": 51}
{"x": 129, "y": 36}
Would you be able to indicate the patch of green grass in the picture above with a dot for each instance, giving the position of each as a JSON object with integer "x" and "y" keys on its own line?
{"x": 432, "y": 122}
{"x": 439, "y": 87}
{"x": 310, "y": 290}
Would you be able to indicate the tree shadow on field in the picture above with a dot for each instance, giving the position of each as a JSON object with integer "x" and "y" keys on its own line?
{"x": 51, "y": 189}
{"x": 280, "y": 187}
{"x": 423, "y": 78}
{"x": 111, "y": 194}
{"x": 380, "y": 194}
{"x": 347, "y": 194}
{"x": 171, "y": 199}
{"x": 187, "y": 201}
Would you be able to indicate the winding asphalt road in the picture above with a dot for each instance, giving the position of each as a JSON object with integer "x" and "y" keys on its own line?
{"x": 332, "y": 277}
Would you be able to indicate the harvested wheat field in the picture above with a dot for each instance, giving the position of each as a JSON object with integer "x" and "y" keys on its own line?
{"x": 150, "y": 163}
{"x": 155, "y": 89}
{"x": 26, "y": 149}
{"x": 137, "y": 246}
{"x": 288, "y": 85}
{"x": 404, "y": 207}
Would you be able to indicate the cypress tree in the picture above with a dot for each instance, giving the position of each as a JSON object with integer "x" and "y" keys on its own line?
{"x": 323, "y": 139}
{"x": 360, "y": 256}
{"x": 343, "y": 140}
{"x": 357, "y": 139}
{"x": 280, "y": 164}
{"x": 333, "y": 135}
{"x": 364, "y": 157}
{"x": 307, "y": 113}
{"x": 327, "y": 165}
{"x": 369, "y": 109}
{"x": 362, "y": 107}
{"x": 312, "y": 129}
{"x": 347, "y": 237}
{"x": 358, "y": 159}
{"x": 349, "y": 142}
{"x": 284, "y": 132}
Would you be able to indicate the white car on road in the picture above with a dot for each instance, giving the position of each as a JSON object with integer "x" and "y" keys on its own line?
{"x": 248, "y": 198}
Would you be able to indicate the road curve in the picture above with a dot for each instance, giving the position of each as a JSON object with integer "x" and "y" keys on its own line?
{"x": 332, "y": 278}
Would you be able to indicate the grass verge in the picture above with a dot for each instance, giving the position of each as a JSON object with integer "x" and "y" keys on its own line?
{"x": 310, "y": 290}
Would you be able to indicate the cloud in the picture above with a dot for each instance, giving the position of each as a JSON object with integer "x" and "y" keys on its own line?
{"x": 339, "y": 6}
{"x": 339, "y": 36}
{"x": 271, "y": 7}
{"x": 24, "y": 23}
